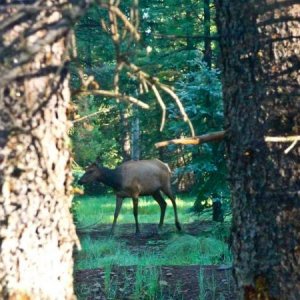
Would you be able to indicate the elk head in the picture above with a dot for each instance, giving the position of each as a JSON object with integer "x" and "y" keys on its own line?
{"x": 92, "y": 174}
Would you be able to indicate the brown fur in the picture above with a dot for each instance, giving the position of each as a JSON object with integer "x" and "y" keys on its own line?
{"x": 133, "y": 179}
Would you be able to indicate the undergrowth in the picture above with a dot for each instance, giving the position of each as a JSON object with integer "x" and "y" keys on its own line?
{"x": 209, "y": 247}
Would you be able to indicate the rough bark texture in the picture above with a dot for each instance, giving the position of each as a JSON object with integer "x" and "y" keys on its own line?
{"x": 260, "y": 48}
{"x": 37, "y": 234}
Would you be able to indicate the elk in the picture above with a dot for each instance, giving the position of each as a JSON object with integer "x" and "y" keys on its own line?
{"x": 133, "y": 179}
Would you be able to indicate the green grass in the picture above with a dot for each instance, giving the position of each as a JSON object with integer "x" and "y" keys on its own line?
{"x": 102, "y": 251}
{"x": 183, "y": 250}
{"x": 174, "y": 249}
{"x": 93, "y": 210}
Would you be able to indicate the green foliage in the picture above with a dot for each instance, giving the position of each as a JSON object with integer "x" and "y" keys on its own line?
{"x": 93, "y": 139}
{"x": 178, "y": 62}
{"x": 200, "y": 92}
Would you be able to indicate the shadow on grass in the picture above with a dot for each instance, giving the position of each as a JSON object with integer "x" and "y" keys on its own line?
{"x": 165, "y": 264}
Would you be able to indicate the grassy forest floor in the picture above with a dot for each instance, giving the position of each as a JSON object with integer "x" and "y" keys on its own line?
{"x": 194, "y": 264}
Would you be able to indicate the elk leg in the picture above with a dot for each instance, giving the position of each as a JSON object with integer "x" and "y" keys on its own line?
{"x": 162, "y": 204}
{"x": 119, "y": 202}
{"x": 173, "y": 200}
{"x": 135, "y": 202}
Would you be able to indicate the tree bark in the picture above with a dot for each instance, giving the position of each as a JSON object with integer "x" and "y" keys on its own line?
{"x": 207, "y": 41}
{"x": 37, "y": 234}
{"x": 135, "y": 134}
{"x": 260, "y": 49}
{"x": 125, "y": 133}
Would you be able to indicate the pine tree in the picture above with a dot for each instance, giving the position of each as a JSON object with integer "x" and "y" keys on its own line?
{"x": 260, "y": 55}
{"x": 37, "y": 234}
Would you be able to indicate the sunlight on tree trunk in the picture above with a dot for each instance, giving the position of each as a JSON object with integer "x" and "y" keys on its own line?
{"x": 125, "y": 133}
{"x": 37, "y": 234}
{"x": 260, "y": 55}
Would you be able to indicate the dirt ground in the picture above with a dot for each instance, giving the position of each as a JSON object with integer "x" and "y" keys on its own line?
{"x": 190, "y": 282}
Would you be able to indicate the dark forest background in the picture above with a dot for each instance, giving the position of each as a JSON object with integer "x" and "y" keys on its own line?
{"x": 180, "y": 49}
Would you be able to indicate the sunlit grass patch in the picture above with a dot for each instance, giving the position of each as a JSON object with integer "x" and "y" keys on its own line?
{"x": 207, "y": 248}
{"x": 92, "y": 210}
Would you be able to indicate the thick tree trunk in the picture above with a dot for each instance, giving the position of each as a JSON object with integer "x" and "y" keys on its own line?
{"x": 260, "y": 48}
{"x": 37, "y": 234}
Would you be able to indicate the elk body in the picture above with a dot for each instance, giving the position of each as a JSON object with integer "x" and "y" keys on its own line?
{"x": 133, "y": 179}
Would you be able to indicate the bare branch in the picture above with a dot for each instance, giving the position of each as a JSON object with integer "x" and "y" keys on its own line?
{"x": 175, "y": 36}
{"x": 180, "y": 106}
{"x": 287, "y": 150}
{"x": 146, "y": 81}
{"x": 85, "y": 80}
{"x": 284, "y": 139}
{"x": 162, "y": 105}
{"x": 114, "y": 95}
{"x": 210, "y": 137}
{"x": 86, "y": 117}
{"x": 152, "y": 81}
{"x": 114, "y": 9}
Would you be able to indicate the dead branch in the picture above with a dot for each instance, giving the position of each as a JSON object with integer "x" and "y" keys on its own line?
{"x": 180, "y": 106}
{"x": 114, "y": 9}
{"x": 146, "y": 79}
{"x": 294, "y": 139}
{"x": 175, "y": 37}
{"x": 282, "y": 139}
{"x": 86, "y": 117}
{"x": 287, "y": 150}
{"x": 210, "y": 137}
{"x": 162, "y": 105}
{"x": 111, "y": 94}
{"x": 219, "y": 135}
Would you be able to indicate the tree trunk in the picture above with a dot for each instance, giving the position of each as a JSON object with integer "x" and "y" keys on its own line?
{"x": 125, "y": 133}
{"x": 260, "y": 49}
{"x": 37, "y": 234}
{"x": 207, "y": 40}
{"x": 190, "y": 43}
{"x": 218, "y": 214}
{"x": 135, "y": 144}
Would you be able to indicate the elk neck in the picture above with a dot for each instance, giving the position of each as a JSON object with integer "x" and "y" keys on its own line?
{"x": 111, "y": 177}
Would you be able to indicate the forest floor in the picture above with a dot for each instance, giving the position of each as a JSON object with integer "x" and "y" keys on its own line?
{"x": 161, "y": 281}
